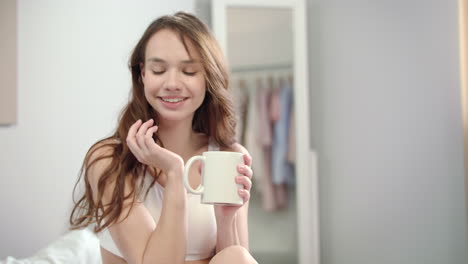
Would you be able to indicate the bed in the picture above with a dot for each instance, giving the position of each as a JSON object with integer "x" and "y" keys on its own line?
{"x": 78, "y": 246}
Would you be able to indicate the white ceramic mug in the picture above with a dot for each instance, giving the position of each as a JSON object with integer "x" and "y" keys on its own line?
{"x": 219, "y": 171}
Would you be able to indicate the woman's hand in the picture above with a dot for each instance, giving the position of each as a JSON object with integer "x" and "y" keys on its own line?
{"x": 141, "y": 143}
{"x": 245, "y": 179}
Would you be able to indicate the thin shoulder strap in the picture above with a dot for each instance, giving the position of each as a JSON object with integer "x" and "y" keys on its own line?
{"x": 212, "y": 146}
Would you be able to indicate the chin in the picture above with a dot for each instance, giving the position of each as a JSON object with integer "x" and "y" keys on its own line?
{"x": 174, "y": 117}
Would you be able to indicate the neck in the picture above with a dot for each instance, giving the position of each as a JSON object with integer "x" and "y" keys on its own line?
{"x": 178, "y": 137}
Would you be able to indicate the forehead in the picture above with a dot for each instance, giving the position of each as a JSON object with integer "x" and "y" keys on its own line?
{"x": 167, "y": 44}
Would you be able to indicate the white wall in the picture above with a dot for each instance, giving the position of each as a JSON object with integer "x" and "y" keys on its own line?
{"x": 386, "y": 121}
{"x": 268, "y": 41}
{"x": 72, "y": 82}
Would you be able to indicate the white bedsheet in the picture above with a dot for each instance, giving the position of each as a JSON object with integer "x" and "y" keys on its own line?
{"x": 78, "y": 246}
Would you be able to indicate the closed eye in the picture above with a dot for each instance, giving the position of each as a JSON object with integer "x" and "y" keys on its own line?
{"x": 158, "y": 72}
{"x": 190, "y": 73}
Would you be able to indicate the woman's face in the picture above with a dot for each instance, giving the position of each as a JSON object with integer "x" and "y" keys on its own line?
{"x": 174, "y": 81}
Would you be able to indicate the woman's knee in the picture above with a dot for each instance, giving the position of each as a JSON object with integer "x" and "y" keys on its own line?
{"x": 233, "y": 254}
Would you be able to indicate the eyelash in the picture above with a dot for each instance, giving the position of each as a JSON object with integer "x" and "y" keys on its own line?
{"x": 186, "y": 73}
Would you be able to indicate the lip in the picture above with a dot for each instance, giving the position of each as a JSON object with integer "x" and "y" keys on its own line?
{"x": 170, "y": 105}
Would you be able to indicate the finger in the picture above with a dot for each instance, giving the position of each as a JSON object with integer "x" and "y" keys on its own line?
{"x": 244, "y": 181}
{"x": 245, "y": 170}
{"x": 247, "y": 160}
{"x": 133, "y": 129}
{"x": 131, "y": 141}
{"x": 140, "y": 136}
{"x": 244, "y": 194}
{"x": 149, "y": 141}
{"x": 144, "y": 127}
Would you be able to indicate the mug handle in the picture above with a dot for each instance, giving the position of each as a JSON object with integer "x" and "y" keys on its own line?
{"x": 189, "y": 188}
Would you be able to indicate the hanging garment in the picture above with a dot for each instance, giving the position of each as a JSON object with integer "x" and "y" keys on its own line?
{"x": 264, "y": 133}
{"x": 250, "y": 135}
{"x": 282, "y": 169}
{"x": 292, "y": 128}
{"x": 291, "y": 156}
{"x": 241, "y": 101}
{"x": 265, "y": 140}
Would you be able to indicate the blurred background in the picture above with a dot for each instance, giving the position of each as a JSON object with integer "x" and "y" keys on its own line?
{"x": 386, "y": 122}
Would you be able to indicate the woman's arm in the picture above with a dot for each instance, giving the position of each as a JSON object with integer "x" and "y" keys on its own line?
{"x": 242, "y": 225}
{"x": 233, "y": 230}
{"x": 138, "y": 237}
{"x": 226, "y": 232}
{"x": 169, "y": 238}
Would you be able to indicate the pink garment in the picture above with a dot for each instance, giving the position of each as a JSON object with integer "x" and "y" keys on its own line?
{"x": 266, "y": 113}
{"x": 275, "y": 106}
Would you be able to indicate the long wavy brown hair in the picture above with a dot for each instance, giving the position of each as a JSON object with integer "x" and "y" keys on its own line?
{"x": 215, "y": 118}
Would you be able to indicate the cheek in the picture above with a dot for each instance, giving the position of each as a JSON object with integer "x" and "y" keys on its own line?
{"x": 199, "y": 94}
{"x": 202, "y": 91}
{"x": 147, "y": 89}
{"x": 202, "y": 98}
{"x": 151, "y": 84}
{"x": 201, "y": 85}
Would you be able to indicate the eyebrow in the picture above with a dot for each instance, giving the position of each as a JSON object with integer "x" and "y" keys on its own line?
{"x": 156, "y": 59}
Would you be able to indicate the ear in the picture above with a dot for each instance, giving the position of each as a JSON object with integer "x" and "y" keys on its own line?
{"x": 142, "y": 70}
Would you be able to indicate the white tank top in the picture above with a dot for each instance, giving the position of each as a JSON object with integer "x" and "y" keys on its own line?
{"x": 201, "y": 229}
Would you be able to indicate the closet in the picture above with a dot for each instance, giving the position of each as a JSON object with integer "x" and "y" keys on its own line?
{"x": 264, "y": 104}
{"x": 264, "y": 42}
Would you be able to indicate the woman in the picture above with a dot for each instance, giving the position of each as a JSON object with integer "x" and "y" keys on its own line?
{"x": 179, "y": 108}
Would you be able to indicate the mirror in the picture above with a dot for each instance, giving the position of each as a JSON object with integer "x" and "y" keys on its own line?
{"x": 265, "y": 45}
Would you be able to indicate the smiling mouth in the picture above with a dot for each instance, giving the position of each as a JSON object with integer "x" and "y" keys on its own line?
{"x": 172, "y": 100}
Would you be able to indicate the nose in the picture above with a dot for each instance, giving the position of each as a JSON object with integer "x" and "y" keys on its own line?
{"x": 172, "y": 82}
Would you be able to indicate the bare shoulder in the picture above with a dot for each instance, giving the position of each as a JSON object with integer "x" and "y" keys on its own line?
{"x": 98, "y": 159}
{"x": 100, "y": 150}
{"x": 99, "y": 155}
